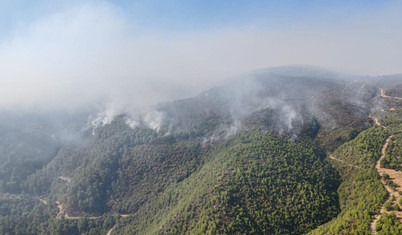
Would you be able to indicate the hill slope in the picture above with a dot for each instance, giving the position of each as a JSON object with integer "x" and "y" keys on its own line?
{"x": 246, "y": 157}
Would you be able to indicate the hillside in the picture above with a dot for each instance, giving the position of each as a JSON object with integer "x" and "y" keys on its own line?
{"x": 251, "y": 156}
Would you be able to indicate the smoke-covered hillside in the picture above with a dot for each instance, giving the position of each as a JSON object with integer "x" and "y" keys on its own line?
{"x": 248, "y": 156}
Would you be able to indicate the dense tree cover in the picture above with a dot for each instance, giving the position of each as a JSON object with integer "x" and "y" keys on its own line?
{"x": 391, "y": 117}
{"x": 337, "y": 137}
{"x": 393, "y": 154}
{"x": 394, "y": 91}
{"x": 365, "y": 149}
{"x": 388, "y": 224}
{"x": 253, "y": 183}
{"x": 21, "y": 215}
{"x": 92, "y": 167}
{"x": 22, "y": 153}
{"x": 146, "y": 170}
{"x": 194, "y": 176}
{"x": 30, "y": 141}
{"x": 24, "y": 214}
{"x": 361, "y": 193}
{"x": 124, "y": 176}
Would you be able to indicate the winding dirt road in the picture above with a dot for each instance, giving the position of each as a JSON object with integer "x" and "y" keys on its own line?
{"x": 109, "y": 232}
{"x": 62, "y": 212}
{"x": 342, "y": 161}
{"x": 395, "y": 176}
{"x": 43, "y": 201}
{"x": 376, "y": 121}
{"x": 382, "y": 94}
{"x": 65, "y": 179}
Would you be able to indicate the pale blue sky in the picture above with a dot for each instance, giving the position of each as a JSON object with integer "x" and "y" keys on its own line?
{"x": 202, "y": 14}
{"x": 137, "y": 53}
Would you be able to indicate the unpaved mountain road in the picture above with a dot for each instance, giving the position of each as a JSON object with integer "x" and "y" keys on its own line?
{"x": 109, "y": 232}
{"x": 382, "y": 94}
{"x": 376, "y": 121}
{"x": 62, "y": 212}
{"x": 43, "y": 201}
{"x": 395, "y": 176}
{"x": 342, "y": 161}
{"x": 65, "y": 179}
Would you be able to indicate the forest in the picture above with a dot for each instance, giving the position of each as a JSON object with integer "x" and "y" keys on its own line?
{"x": 209, "y": 170}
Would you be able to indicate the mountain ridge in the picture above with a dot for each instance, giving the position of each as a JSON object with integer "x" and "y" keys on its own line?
{"x": 199, "y": 165}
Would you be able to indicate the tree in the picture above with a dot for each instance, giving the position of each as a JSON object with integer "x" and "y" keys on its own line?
{"x": 385, "y": 176}
{"x": 387, "y": 205}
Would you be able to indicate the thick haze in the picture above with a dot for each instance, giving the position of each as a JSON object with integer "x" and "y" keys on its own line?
{"x": 78, "y": 54}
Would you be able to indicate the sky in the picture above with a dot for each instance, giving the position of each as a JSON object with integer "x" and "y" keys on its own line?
{"x": 131, "y": 54}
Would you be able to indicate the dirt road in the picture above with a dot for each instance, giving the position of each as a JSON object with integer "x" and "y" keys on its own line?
{"x": 376, "y": 121}
{"x": 65, "y": 179}
{"x": 382, "y": 93}
{"x": 342, "y": 161}
{"x": 396, "y": 177}
{"x": 109, "y": 232}
{"x": 62, "y": 212}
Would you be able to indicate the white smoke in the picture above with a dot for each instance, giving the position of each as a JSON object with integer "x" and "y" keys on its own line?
{"x": 248, "y": 99}
{"x": 154, "y": 120}
{"x": 132, "y": 123}
{"x": 290, "y": 116}
{"x": 103, "y": 118}
{"x": 76, "y": 55}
